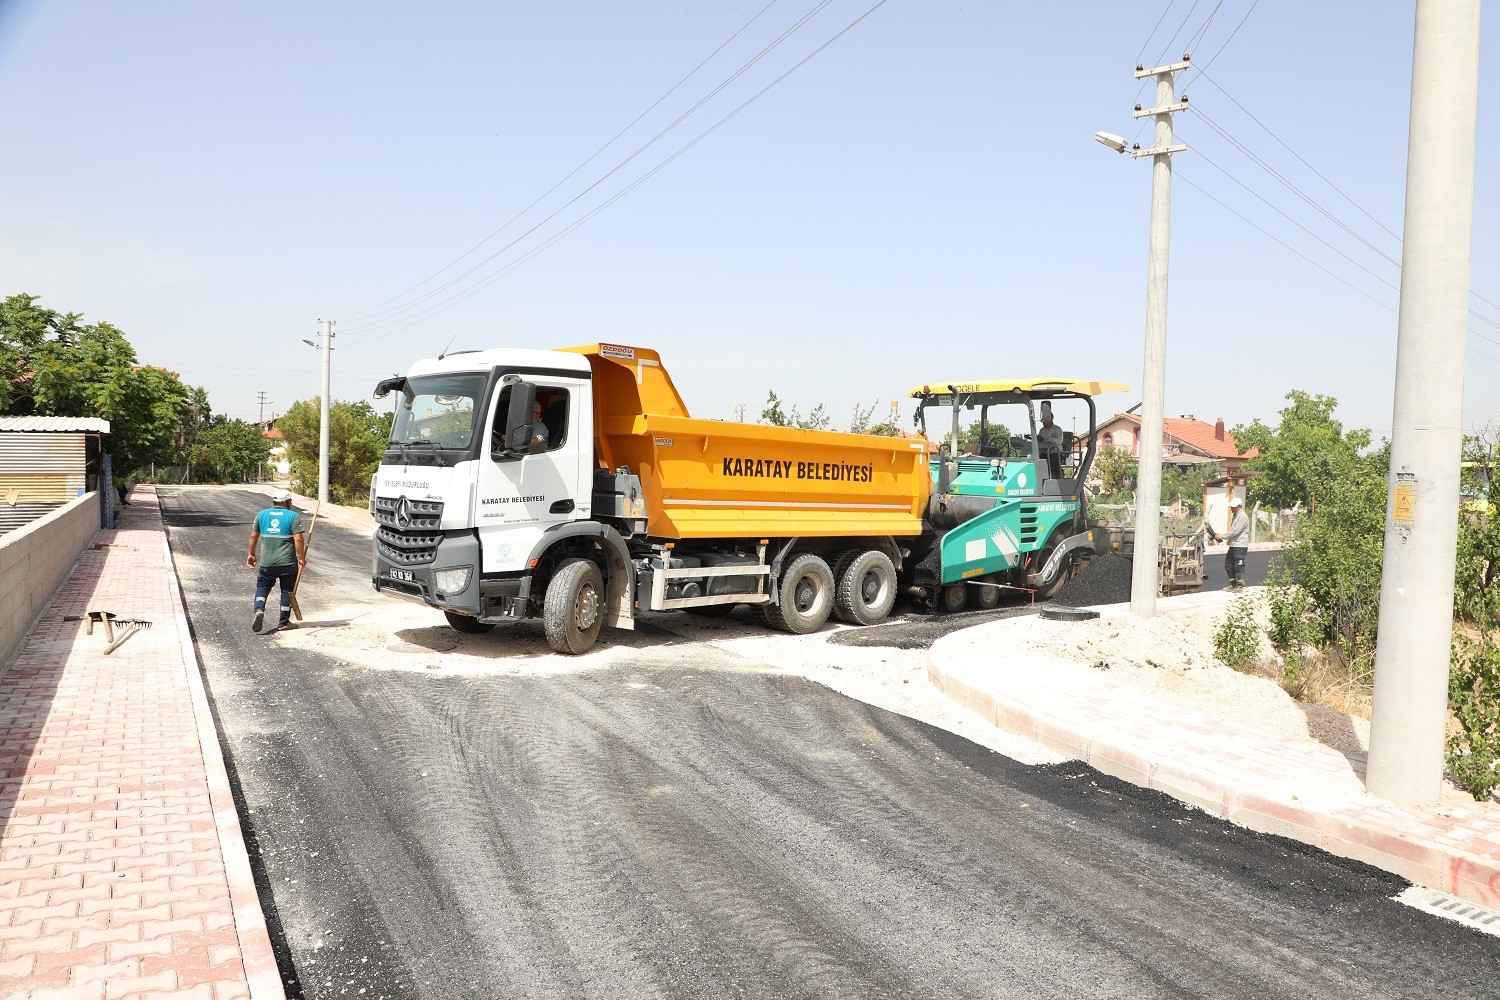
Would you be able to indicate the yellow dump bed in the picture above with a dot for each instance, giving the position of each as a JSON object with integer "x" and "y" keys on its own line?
{"x": 715, "y": 479}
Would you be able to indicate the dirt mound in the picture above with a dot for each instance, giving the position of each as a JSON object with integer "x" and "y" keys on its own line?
{"x": 1105, "y": 580}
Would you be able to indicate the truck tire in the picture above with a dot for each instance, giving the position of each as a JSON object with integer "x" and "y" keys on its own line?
{"x": 574, "y": 607}
{"x": 984, "y": 598}
{"x": 467, "y": 624}
{"x": 866, "y": 589}
{"x": 805, "y": 597}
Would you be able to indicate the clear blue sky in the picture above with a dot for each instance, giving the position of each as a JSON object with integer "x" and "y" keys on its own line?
{"x": 923, "y": 199}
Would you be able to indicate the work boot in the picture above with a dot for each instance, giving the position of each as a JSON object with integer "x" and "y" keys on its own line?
{"x": 287, "y": 624}
{"x": 257, "y": 621}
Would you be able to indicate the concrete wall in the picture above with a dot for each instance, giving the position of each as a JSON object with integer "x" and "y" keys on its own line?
{"x": 34, "y": 562}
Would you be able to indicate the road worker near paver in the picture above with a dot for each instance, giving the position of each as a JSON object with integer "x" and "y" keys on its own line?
{"x": 278, "y": 549}
{"x": 1238, "y": 537}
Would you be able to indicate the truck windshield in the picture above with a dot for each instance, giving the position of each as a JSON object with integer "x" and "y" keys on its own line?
{"x": 438, "y": 410}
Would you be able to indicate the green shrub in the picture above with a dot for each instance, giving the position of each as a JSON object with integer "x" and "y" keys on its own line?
{"x": 1474, "y": 699}
{"x": 1237, "y": 639}
{"x": 1474, "y": 667}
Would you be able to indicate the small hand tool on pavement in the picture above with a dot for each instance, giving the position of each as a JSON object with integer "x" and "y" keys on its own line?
{"x": 306, "y": 546}
{"x": 132, "y": 626}
{"x": 107, "y": 617}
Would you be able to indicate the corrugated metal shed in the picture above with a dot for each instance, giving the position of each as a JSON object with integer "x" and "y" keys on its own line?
{"x": 41, "y": 468}
{"x": 86, "y": 425}
{"x": 45, "y": 463}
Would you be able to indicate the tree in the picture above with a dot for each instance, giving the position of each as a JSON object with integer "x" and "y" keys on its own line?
{"x": 817, "y": 420}
{"x": 227, "y": 451}
{"x": 1116, "y": 469}
{"x": 356, "y": 440}
{"x": 1308, "y": 452}
{"x": 53, "y": 365}
{"x": 1474, "y": 674}
{"x": 1336, "y": 558}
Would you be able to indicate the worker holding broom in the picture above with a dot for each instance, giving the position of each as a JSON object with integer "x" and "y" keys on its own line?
{"x": 278, "y": 551}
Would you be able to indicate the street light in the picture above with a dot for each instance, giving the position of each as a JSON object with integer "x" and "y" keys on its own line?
{"x": 1115, "y": 142}
{"x": 327, "y": 347}
{"x": 1144, "y": 575}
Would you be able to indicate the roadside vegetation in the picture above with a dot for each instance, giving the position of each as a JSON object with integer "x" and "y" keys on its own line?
{"x": 357, "y": 436}
{"x": 1323, "y": 597}
{"x": 53, "y": 364}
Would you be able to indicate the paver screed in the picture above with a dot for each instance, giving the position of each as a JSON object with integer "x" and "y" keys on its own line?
{"x": 123, "y": 871}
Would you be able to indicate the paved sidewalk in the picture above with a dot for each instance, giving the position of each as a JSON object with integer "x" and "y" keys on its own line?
{"x": 1251, "y": 778}
{"x": 123, "y": 871}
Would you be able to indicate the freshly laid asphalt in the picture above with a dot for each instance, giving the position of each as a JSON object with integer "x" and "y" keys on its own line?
{"x": 126, "y": 871}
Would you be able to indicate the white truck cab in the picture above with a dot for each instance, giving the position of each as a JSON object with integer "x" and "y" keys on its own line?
{"x": 456, "y": 502}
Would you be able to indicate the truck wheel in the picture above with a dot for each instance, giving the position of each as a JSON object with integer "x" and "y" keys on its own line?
{"x": 952, "y": 597}
{"x": 467, "y": 624}
{"x": 806, "y": 596}
{"x": 866, "y": 588}
{"x": 574, "y": 607}
{"x": 982, "y": 597}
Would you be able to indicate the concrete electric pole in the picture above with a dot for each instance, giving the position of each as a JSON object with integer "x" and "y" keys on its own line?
{"x": 1410, "y": 713}
{"x": 263, "y": 401}
{"x": 1144, "y": 570}
{"x": 327, "y": 346}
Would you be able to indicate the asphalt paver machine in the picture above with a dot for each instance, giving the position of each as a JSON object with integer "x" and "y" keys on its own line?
{"x": 1007, "y": 509}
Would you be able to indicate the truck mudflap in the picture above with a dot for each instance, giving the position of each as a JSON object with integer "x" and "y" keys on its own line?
{"x": 1093, "y": 541}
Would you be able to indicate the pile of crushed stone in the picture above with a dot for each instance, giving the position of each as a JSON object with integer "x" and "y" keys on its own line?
{"x": 1171, "y": 657}
{"x": 1104, "y": 580}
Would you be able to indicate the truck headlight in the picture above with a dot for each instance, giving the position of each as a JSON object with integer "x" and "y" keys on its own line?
{"x": 452, "y": 581}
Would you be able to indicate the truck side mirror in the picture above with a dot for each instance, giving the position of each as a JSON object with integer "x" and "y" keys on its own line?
{"x": 518, "y": 423}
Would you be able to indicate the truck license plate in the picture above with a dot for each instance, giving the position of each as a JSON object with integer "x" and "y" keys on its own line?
{"x": 403, "y": 575}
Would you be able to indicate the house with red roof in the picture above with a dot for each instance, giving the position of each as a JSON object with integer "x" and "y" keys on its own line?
{"x": 1186, "y": 440}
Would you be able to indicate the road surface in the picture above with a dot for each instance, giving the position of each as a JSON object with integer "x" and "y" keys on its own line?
{"x": 671, "y": 820}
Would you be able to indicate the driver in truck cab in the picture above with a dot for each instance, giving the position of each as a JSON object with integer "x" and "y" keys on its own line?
{"x": 538, "y": 428}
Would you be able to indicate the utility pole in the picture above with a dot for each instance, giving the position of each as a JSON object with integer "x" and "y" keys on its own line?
{"x": 1410, "y": 710}
{"x": 327, "y": 346}
{"x": 1144, "y": 570}
{"x": 263, "y": 401}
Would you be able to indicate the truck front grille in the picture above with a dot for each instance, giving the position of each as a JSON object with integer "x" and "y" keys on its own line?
{"x": 402, "y": 514}
{"x": 409, "y": 530}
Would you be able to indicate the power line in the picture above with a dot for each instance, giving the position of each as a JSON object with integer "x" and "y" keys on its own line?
{"x": 1202, "y": 156}
{"x": 409, "y": 321}
{"x": 1203, "y": 30}
{"x": 1316, "y": 205}
{"x": 394, "y": 315}
{"x": 1203, "y": 72}
{"x": 1313, "y": 203}
{"x": 1154, "y": 29}
{"x": 1339, "y": 278}
{"x": 1236, "y": 31}
{"x": 1161, "y": 59}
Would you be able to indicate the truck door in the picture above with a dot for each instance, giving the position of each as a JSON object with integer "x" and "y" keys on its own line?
{"x": 519, "y": 497}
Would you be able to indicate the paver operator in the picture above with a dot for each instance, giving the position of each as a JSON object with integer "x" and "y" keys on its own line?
{"x": 1238, "y": 537}
{"x": 277, "y": 550}
{"x": 1050, "y": 438}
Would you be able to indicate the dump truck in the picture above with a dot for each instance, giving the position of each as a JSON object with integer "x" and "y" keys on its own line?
{"x": 1009, "y": 514}
{"x": 574, "y": 487}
